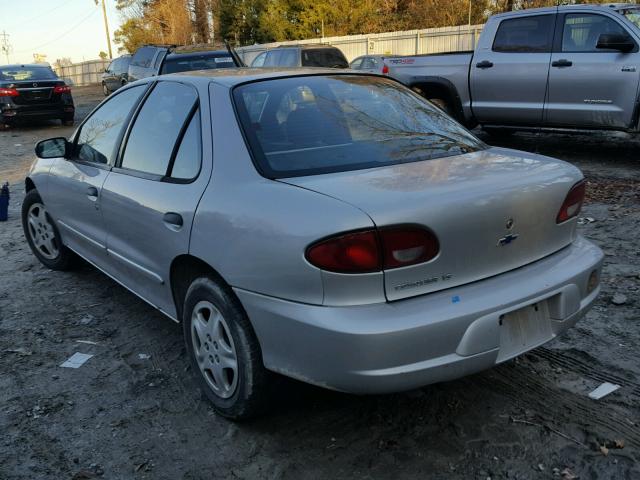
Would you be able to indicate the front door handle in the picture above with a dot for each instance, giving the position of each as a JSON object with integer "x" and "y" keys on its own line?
{"x": 92, "y": 192}
{"x": 561, "y": 63}
{"x": 173, "y": 220}
{"x": 484, "y": 64}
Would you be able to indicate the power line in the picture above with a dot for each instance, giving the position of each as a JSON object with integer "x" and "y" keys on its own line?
{"x": 31, "y": 49}
{"x": 41, "y": 14}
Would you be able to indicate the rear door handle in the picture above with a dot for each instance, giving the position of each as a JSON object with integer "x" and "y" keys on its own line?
{"x": 484, "y": 64}
{"x": 173, "y": 220}
{"x": 561, "y": 63}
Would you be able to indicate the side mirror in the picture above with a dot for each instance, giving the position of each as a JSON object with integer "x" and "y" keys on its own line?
{"x": 616, "y": 41}
{"x": 53, "y": 148}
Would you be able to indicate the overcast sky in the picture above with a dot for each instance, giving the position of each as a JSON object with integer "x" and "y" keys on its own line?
{"x": 56, "y": 28}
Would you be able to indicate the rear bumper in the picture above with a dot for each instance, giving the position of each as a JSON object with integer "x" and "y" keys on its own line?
{"x": 406, "y": 344}
{"x": 11, "y": 112}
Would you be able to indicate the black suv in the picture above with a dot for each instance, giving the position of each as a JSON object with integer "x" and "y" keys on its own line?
{"x": 151, "y": 60}
{"x": 33, "y": 91}
{"x": 116, "y": 74}
{"x": 316, "y": 55}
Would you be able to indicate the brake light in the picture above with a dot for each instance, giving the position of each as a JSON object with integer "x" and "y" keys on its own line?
{"x": 385, "y": 69}
{"x": 374, "y": 250}
{"x": 8, "y": 92}
{"x": 572, "y": 203}
{"x": 61, "y": 89}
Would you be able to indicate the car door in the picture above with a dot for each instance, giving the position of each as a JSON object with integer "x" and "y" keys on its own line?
{"x": 75, "y": 184}
{"x": 114, "y": 74}
{"x": 509, "y": 76}
{"x": 150, "y": 197}
{"x": 589, "y": 86}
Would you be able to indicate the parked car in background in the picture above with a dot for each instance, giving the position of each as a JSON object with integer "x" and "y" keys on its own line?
{"x": 317, "y": 55}
{"x": 572, "y": 66}
{"x": 351, "y": 235}
{"x": 116, "y": 74}
{"x": 370, "y": 64}
{"x": 152, "y": 60}
{"x": 33, "y": 91}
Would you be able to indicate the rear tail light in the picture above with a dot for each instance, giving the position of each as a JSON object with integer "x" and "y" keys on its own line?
{"x": 572, "y": 203}
{"x": 61, "y": 89}
{"x": 8, "y": 92}
{"x": 374, "y": 250}
{"x": 385, "y": 69}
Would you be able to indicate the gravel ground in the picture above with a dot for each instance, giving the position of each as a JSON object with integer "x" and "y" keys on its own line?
{"x": 133, "y": 411}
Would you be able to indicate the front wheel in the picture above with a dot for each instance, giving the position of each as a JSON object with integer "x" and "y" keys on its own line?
{"x": 224, "y": 351}
{"x": 42, "y": 234}
{"x": 105, "y": 90}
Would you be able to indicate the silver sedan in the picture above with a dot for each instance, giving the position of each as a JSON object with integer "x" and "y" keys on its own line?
{"x": 329, "y": 226}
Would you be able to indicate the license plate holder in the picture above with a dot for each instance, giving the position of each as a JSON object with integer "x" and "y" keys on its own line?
{"x": 524, "y": 329}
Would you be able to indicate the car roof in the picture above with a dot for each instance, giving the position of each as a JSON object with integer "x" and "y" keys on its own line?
{"x": 233, "y": 76}
{"x": 183, "y": 54}
{"x": 587, "y": 6}
{"x": 307, "y": 46}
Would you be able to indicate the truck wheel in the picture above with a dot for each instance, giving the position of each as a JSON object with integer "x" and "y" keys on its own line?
{"x": 443, "y": 105}
{"x": 224, "y": 351}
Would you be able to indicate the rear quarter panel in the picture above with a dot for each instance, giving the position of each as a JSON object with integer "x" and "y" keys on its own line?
{"x": 254, "y": 231}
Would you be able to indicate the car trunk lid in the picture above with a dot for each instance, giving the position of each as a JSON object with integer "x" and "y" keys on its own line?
{"x": 492, "y": 211}
{"x": 33, "y": 92}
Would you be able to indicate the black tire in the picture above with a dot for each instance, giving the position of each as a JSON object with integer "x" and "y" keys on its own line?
{"x": 65, "y": 258}
{"x": 253, "y": 385}
{"x": 498, "y": 133}
{"x": 105, "y": 89}
{"x": 4, "y": 127}
{"x": 443, "y": 105}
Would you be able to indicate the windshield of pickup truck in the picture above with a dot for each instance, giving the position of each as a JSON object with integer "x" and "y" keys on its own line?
{"x": 633, "y": 15}
{"x": 319, "y": 124}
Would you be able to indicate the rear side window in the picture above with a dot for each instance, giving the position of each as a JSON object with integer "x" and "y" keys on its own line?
{"x": 527, "y": 34}
{"x": 282, "y": 58}
{"x": 187, "y": 162}
{"x": 357, "y": 63}
{"x": 157, "y": 127}
{"x": 319, "y": 124}
{"x": 259, "y": 60}
{"x": 99, "y": 134}
{"x": 143, "y": 57}
{"x": 324, "y": 57}
{"x": 582, "y": 31}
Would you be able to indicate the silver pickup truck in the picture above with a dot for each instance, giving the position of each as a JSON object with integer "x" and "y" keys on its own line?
{"x": 574, "y": 66}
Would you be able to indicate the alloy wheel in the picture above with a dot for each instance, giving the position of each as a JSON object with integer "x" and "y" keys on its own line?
{"x": 41, "y": 232}
{"x": 214, "y": 349}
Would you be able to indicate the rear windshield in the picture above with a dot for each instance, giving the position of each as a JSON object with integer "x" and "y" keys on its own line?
{"x": 324, "y": 57}
{"x": 201, "y": 62}
{"x": 319, "y": 124}
{"x": 26, "y": 73}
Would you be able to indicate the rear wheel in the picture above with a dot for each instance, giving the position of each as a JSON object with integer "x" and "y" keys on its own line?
{"x": 224, "y": 351}
{"x": 42, "y": 234}
{"x": 443, "y": 105}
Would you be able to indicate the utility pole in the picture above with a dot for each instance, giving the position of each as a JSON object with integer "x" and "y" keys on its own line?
{"x": 470, "y": 12}
{"x": 106, "y": 27}
{"x": 5, "y": 46}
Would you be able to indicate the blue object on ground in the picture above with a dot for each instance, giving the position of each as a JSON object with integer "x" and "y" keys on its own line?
{"x": 4, "y": 202}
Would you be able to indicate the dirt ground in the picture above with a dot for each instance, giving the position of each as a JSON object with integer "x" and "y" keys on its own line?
{"x": 134, "y": 412}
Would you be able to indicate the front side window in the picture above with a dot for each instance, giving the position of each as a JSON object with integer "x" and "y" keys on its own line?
{"x": 357, "y": 63}
{"x": 96, "y": 142}
{"x": 532, "y": 34}
{"x": 582, "y": 31}
{"x": 157, "y": 127}
{"x": 320, "y": 124}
